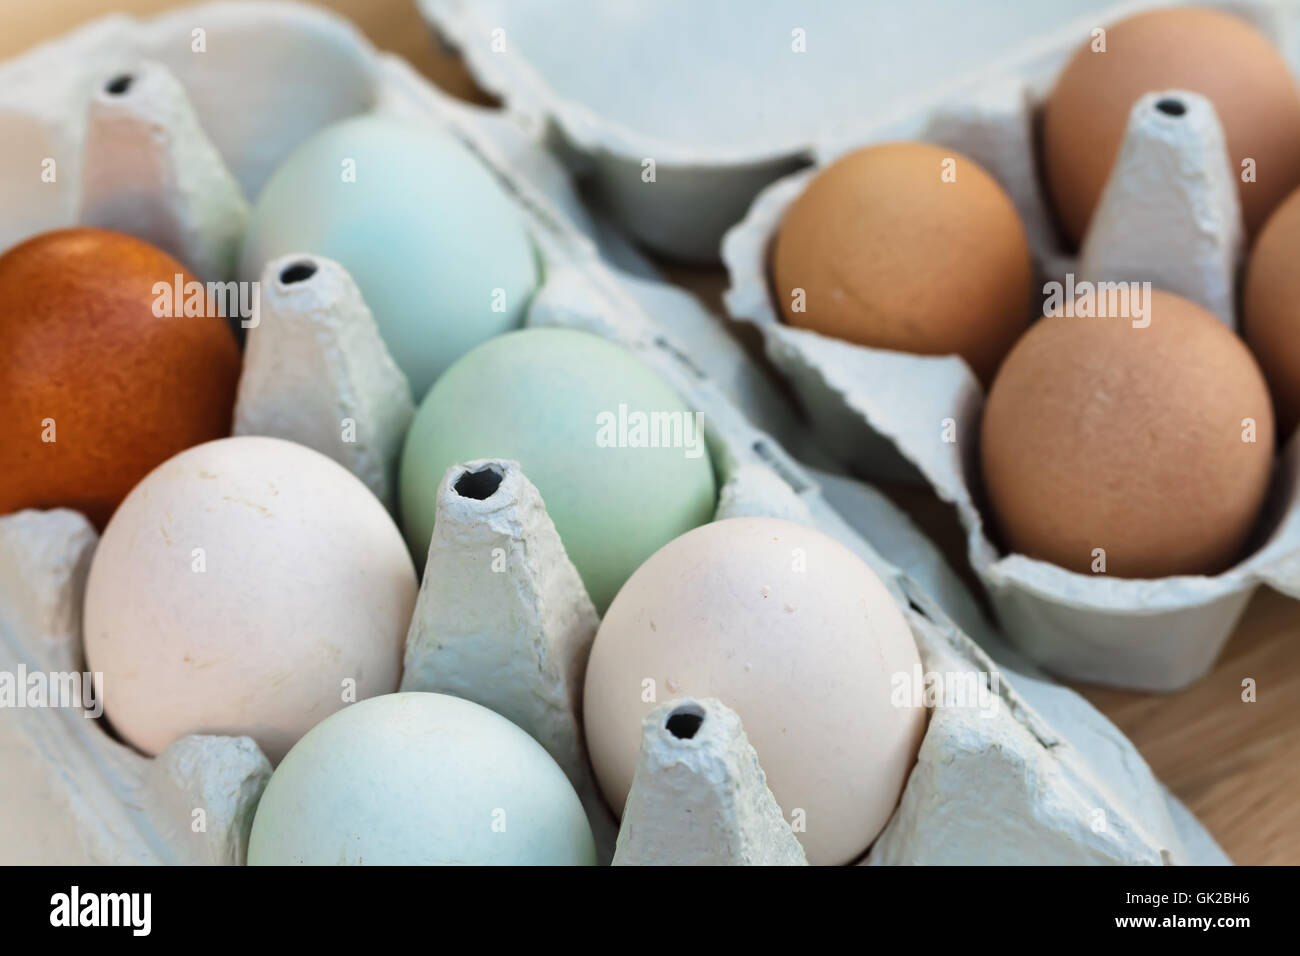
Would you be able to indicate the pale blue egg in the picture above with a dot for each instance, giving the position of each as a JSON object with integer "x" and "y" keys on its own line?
{"x": 419, "y": 779}
{"x": 437, "y": 248}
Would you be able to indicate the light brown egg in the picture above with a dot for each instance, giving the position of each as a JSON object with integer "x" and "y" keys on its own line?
{"x": 1100, "y": 435}
{"x": 889, "y": 253}
{"x": 1271, "y": 310}
{"x": 1218, "y": 55}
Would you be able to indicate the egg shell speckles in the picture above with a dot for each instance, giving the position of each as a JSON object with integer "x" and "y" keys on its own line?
{"x": 244, "y": 587}
{"x": 793, "y": 632}
{"x": 1150, "y": 446}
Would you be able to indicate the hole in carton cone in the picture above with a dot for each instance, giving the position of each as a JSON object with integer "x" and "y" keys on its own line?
{"x": 1171, "y": 107}
{"x": 298, "y": 272}
{"x": 684, "y": 722}
{"x": 479, "y": 485}
{"x": 119, "y": 84}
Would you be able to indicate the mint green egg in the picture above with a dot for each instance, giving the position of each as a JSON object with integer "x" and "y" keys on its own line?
{"x": 435, "y": 245}
{"x": 416, "y": 779}
{"x": 578, "y": 413}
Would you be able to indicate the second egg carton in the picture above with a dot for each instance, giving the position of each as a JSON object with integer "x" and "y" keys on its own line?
{"x": 1044, "y": 779}
{"x": 1169, "y": 215}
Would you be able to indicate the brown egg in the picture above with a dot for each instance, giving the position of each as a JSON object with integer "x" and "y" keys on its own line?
{"x": 95, "y": 389}
{"x": 1271, "y": 310}
{"x": 889, "y": 254}
{"x": 1097, "y": 434}
{"x": 1215, "y": 54}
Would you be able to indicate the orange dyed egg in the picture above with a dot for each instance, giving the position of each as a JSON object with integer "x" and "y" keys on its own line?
{"x": 95, "y": 388}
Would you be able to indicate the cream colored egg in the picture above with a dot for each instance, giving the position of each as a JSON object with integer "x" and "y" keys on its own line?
{"x": 245, "y": 586}
{"x": 796, "y": 634}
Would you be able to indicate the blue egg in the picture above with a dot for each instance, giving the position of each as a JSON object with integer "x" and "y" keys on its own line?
{"x": 437, "y": 248}
{"x": 416, "y": 779}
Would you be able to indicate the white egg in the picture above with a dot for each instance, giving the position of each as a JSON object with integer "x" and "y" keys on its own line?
{"x": 245, "y": 586}
{"x": 798, "y": 636}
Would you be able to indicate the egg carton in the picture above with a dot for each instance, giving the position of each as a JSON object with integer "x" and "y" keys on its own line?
{"x": 1169, "y": 215}
{"x": 1067, "y": 786}
{"x": 756, "y": 85}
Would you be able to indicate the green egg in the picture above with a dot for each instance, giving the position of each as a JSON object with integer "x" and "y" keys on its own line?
{"x": 619, "y": 459}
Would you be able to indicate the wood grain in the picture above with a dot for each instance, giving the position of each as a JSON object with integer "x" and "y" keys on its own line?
{"x": 1236, "y": 764}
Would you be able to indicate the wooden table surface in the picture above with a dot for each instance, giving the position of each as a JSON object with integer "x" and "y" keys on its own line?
{"x": 1235, "y": 764}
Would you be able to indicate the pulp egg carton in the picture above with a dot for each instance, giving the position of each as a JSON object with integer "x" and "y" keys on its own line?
{"x": 754, "y": 86}
{"x": 1169, "y": 214}
{"x": 1032, "y": 775}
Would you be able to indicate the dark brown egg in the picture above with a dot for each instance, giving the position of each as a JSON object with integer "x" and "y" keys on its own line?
{"x": 95, "y": 388}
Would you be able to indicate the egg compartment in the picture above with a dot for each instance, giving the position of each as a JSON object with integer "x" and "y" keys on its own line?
{"x": 517, "y": 642}
{"x": 87, "y": 798}
{"x": 74, "y": 794}
{"x": 1169, "y": 214}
